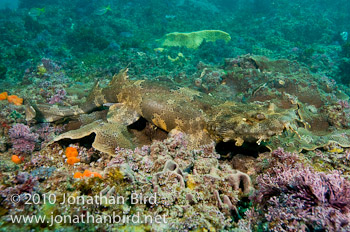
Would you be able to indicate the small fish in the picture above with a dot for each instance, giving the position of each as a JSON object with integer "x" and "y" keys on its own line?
{"x": 344, "y": 35}
{"x": 35, "y": 12}
{"x": 102, "y": 10}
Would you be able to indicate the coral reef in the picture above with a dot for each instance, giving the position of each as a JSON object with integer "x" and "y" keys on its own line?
{"x": 185, "y": 181}
{"x": 193, "y": 127}
{"x": 190, "y": 185}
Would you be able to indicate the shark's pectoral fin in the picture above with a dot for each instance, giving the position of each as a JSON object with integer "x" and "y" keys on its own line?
{"x": 108, "y": 136}
{"x": 122, "y": 114}
{"x": 78, "y": 133}
{"x": 111, "y": 136}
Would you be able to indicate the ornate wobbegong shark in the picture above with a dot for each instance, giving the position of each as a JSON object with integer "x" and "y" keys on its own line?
{"x": 203, "y": 117}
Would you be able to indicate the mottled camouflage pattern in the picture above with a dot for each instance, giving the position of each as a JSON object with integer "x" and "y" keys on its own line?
{"x": 203, "y": 117}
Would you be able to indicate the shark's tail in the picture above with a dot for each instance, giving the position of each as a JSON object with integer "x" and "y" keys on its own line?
{"x": 51, "y": 113}
{"x": 97, "y": 98}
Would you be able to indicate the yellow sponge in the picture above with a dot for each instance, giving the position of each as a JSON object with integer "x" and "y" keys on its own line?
{"x": 194, "y": 39}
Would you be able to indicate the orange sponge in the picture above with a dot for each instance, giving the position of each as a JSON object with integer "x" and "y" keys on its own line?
{"x": 71, "y": 152}
{"x": 72, "y": 160}
{"x": 3, "y": 96}
{"x": 96, "y": 174}
{"x": 15, "y": 100}
{"x": 87, "y": 173}
{"x": 16, "y": 159}
{"x": 78, "y": 175}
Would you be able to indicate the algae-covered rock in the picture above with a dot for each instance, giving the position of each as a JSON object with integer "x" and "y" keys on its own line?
{"x": 194, "y": 39}
{"x": 304, "y": 139}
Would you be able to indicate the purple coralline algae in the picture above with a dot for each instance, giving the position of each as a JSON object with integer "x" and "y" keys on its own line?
{"x": 22, "y": 139}
{"x": 50, "y": 65}
{"x": 58, "y": 96}
{"x": 295, "y": 197}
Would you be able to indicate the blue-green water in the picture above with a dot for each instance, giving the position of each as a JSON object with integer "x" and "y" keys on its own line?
{"x": 280, "y": 29}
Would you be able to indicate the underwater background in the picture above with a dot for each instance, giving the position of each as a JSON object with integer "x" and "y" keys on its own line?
{"x": 235, "y": 113}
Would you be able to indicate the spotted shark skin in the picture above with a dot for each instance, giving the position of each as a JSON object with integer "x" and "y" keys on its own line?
{"x": 203, "y": 117}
